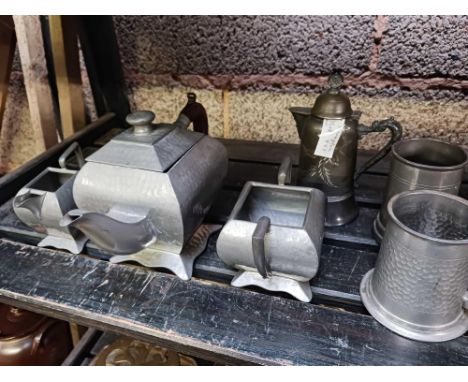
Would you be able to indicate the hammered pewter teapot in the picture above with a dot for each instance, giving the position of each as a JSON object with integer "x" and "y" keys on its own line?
{"x": 43, "y": 202}
{"x": 329, "y": 133}
{"x": 274, "y": 235}
{"x": 149, "y": 189}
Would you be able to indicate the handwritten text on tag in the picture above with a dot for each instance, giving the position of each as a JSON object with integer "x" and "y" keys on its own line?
{"x": 329, "y": 137}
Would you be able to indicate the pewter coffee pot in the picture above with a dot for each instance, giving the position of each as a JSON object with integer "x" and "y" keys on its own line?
{"x": 329, "y": 133}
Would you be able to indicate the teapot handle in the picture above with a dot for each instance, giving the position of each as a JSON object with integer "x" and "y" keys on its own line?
{"x": 258, "y": 246}
{"x": 193, "y": 112}
{"x": 378, "y": 127}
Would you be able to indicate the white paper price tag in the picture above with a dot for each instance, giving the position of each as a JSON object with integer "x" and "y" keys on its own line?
{"x": 329, "y": 137}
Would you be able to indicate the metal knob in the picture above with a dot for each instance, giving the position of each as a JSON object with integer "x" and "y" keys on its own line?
{"x": 141, "y": 121}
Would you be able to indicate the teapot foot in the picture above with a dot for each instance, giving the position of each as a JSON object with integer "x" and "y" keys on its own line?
{"x": 72, "y": 244}
{"x": 181, "y": 264}
{"x": 297, "y": 289}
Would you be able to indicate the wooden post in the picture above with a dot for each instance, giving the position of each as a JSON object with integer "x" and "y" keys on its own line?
{"x": 7, "y": 51}
{"x": 33, "y": 63}
{"x": 102, "y": 58}
{"x": 64, "y": 39}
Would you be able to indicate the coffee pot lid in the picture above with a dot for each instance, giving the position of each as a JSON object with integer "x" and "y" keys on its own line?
{"x": 332, "y": 103}
{"x": 147, "y": 145}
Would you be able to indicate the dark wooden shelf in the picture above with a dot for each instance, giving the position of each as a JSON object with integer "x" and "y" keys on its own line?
{"x": 206, "y": 317}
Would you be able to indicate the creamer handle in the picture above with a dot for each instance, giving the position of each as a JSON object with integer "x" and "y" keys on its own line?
{"x": 258, "y": 246}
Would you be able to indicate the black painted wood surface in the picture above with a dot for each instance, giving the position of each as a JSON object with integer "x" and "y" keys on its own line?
{"x": 205, "y": 318}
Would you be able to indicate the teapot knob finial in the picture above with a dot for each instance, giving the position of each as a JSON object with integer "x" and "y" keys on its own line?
{"x": 141, "y": 121}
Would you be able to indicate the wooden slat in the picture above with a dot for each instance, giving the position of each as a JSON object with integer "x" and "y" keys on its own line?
{"x": 7, "y": 52}
{"x": 64, "y": 39}
{"x": 82, "y": 348}
{"x": 33, "y": 63}
{"x": 203, "y": 318}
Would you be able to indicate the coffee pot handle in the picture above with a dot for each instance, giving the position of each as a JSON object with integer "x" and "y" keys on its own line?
{"x": 378, "y": 127}
{"x": 258, "y": 246}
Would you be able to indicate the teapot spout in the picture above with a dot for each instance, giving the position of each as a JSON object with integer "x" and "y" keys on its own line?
{"x": 110, "y": 234}
{"x": 300, "y": 114}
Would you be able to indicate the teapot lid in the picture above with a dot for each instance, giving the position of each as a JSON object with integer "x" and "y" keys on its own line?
{"x": 147, "y": 146}
{"x": 332, "y": 103}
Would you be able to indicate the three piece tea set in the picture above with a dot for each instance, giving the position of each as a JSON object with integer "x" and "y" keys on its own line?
{"x": 144, "y": 195}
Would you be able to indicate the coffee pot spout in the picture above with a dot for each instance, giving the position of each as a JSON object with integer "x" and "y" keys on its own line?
{"x": 301, "y": 115}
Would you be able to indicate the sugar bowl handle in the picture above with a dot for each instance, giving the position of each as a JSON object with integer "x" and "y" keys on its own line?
{"x": 74, "y": 148}
{"x": 378, "y": 127}
{"x": 258, "y": 246}
{"x": 284, "y": 172}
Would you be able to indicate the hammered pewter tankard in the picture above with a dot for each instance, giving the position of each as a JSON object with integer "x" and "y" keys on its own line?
{"x": 274, "y": 234}
{"x": 418, "y": 287}
{"x": 421, "y": 164}
{"x": 43, "y": 202}
{"x": 329, "y": 133}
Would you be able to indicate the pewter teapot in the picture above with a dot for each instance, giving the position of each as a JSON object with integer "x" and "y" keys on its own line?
{"x": 329, "y": 133}
{"x": 149, "y": 188}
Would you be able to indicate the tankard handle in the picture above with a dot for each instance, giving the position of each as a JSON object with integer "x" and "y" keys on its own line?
{"x": 258, "y": 246}
{"x": 378, "y": 127}
{"x": 74, "y": 148}
{"x": 465, "y": 300}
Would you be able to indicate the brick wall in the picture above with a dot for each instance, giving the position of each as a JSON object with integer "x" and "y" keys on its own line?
{"x": 248, "y": 70}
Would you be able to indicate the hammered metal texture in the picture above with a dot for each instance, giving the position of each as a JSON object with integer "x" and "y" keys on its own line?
{"x": 415, "y": 282}
{"x": 435, "y": 223}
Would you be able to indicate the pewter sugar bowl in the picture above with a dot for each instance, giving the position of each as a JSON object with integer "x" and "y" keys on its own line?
{"x": 149, "y": 189}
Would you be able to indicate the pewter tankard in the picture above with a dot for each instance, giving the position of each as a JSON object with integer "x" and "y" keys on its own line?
{"x": 418, "y": 287}
{"x": 422, "y": 164}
